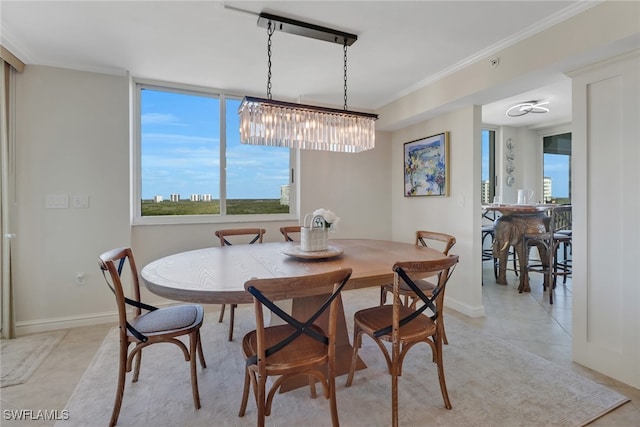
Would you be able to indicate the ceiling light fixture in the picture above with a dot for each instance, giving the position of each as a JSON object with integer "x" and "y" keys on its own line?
{"x": 527, "y": 107}
{"x": 286, "y": 124}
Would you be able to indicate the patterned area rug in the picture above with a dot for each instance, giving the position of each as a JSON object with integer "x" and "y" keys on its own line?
{"x": 20, "y": 357}
{"x": 490, "y": 383}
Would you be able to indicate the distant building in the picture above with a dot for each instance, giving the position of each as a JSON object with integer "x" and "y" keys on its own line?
{"x": 175, "y": 197}
{"x": 284, "y": 195}
{"x": 157, "y": 199}
{"x": 486, "y": 192}
{"x": 546, "y": 189}
{"x": 194, "y": 198}
{"x": 205, "y": 197}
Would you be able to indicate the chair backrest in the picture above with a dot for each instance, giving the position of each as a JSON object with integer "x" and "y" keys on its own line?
{"x": 426, "y": 238}
{"x": 561, "y": 219}
{"x": 288, "y": 231}
{"x": 114, "y": 262}
{"x": 255, "y": 234}
{"x": 265, "y": 291}
{"x": 405, "y": 271}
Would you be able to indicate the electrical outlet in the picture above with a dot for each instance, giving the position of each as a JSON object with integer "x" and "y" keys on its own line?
{"x": 80, "y": 201}
{"x": 81, "y": 278}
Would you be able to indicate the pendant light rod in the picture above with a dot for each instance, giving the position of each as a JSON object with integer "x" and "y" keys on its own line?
{"x": 305, "y": 29}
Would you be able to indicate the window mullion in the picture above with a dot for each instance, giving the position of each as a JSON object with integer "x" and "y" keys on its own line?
{"x": 223, "y": 156}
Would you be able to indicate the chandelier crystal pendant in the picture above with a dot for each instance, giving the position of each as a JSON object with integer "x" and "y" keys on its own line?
{"x": 286, "y": 124}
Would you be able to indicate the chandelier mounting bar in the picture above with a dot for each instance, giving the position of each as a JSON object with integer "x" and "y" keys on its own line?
{"x": 306, "y": 29}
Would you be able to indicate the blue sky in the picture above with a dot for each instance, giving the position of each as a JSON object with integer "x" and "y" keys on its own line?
{"x": 555, "y": 166}
{"x": 181, "y": 145}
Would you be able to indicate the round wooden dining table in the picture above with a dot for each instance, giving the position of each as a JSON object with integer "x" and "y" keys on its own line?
{"x": 216, "y": 275}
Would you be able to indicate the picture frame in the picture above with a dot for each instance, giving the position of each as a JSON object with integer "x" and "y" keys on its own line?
{"x": 426, "y": 166}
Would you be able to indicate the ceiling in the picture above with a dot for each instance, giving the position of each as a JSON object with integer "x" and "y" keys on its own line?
{"x": 401, "y": 46}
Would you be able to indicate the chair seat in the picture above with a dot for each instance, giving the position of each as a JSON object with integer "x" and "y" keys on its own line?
{"x": 376, "y": 318}
{"x": 169, "y": 319}
{"x": 562, "y": 237}
{"x": 488, "y": 228}
{"x": 303, "y": 352}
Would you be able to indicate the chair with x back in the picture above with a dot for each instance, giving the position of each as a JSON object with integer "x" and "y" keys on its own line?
{"x": 226, "y": 239}
{"x": 404, "y": 326}
{"x": 303, "y": 345}
{"x": 289, "y": 231}
{"x": 440, "y": 241}
{"x": 155, "y": 325}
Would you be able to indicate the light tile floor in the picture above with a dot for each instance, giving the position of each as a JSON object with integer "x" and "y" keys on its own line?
{"x": 526, "y": 320}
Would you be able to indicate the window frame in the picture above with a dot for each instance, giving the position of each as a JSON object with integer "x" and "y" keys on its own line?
{"x": 136, "y": 86}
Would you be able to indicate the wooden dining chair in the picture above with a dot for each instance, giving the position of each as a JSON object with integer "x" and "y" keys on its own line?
{"x": 297, "y": 347}
{"x": 440, "y": 241}
{"x": 404, "y": 326}
{"x": 226, "y": 239}
{"x": 288, "y": 231}
{"x": 155, "y": 325}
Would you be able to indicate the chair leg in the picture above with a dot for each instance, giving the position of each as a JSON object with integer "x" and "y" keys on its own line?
{"x": 443, "y": 384}
{"x": 221, "y": 317}
{"x": 245, "y": 394}
{"x": 122, "y": 372}
{"x": 312, "y": 387}
{"x": 394, "y": 398}
{"x": 357, "y": 342}
{"x": 136, "y": 370}
{"x": 200, "y": 352}
{"x": 332, "y": 397}
{"x": 193, "y": 349}
{"x": 231, "y": 319}
{"x": 444, "y": 334}
{"x": 261, "y": 399}
{"x": 383, "y": 295}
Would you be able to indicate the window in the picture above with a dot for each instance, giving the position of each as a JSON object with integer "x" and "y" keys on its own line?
{"x": 192, "y": 166}
{"x": 557, "y": 169}
{"x": 488, "y": 166}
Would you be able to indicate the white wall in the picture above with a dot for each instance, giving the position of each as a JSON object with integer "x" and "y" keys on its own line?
{"x": 71, "y": 138}
{"x": 458, "y": 214}
{"x": 527, "y": 162}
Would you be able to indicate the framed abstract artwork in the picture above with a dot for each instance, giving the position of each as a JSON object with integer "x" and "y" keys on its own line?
{"x": 426, "y": 166}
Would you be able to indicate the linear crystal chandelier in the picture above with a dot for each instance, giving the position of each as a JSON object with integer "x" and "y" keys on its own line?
{"x": 286, "y": 124}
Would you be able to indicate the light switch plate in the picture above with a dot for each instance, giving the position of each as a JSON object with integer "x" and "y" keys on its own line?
{"x": 56, "y": 201}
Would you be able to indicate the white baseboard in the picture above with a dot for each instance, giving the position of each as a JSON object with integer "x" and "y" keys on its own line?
{"x": 67, "y": 322}
{"x": 45, "y": 325}
{"x": 465, "y": 309}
